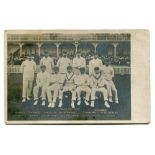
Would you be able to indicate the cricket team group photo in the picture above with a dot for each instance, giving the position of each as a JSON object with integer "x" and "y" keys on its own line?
{"x": 57, "y": 71}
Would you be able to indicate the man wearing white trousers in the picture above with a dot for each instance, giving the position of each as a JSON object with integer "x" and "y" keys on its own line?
{"x": 42, "y": 82}
{"x": 98, "y": 84}
{"x": 83, "y": 82}
{"x": 108, "y": 73}
{"x": 28, "y": 68}
{"x": 68, "y": 85}
{"x": 54, "y": 87}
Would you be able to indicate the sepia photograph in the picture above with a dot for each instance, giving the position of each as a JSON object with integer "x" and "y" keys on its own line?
{"x": 68, "y": 77}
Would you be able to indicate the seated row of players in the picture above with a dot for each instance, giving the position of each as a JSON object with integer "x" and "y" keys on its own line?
{"x": 74, "y": 80}
{"x": 57, "y": 84}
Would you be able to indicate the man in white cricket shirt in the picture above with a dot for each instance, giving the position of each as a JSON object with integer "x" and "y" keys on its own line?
{"x": 108, "y": 73}
{"x": 68, "y": 85}
{"x": 83, "y": 82}
{"x": 95, "y": 62}
{"x": 48, "y": 62}
{"x": 78, "y": 62}
{"x": 98, "y": 85}
{"x": 63, "y": 63}
{"x": 54, "y": 87}
{"x": 28, "y": 68}
{"x": 42, "y": 82}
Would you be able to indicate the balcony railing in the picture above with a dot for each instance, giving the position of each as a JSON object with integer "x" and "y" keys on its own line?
{"x": 118, "y": 69}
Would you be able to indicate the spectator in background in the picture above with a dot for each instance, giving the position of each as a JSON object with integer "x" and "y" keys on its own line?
{"x": 37, "y": 59}
{"x": 10, "y": 59}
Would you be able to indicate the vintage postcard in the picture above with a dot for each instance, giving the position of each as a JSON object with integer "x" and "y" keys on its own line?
{"x": 77, "y": 76}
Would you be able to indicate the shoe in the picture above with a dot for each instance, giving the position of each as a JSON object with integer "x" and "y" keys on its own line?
{"x": 106, "y": 104}
{"x": 92, "y": 104}
{"x": 50, "y": 105}
{"x": 79, "y": 102}
{"x": 110, "y": 99}
{"x": 60, "y": 104}
{"x": 86, "y": 102}
{"x": 36, "y": 102}
{"x": 28, "y": 98}
{"x": 72, "y": 104}
{"x": 116, "y": 101}
{"x": 23, "y": 100}
{"x": 96, "y": 97}
{"x": 43, "y": 103}
{"x": 53, "y": 104}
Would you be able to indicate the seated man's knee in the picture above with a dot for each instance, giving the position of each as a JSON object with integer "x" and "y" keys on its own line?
{"x": 48, "y": 89}
{"x": 35, "y": 88}
{"x": 89, "y": 90}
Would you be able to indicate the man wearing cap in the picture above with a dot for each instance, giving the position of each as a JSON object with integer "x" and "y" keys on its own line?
{"x": 28, "y": 68}
{"x": 48, "y": 62}
{"x": 83, "y": 82}
{"x": 54, "y": 87}
{"x": 68, "y": 85}
{"x": 42, "y": 81}
{"x": 108, "y": 73}
{"x": 78, "y": 62}
{"x": 63, "y": 63}
{"x": 98, "y": 84}
{"x": 95, "y": 62}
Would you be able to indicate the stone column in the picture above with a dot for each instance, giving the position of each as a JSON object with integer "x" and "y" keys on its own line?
{"x": 39, "y": 47}
{"x": 21, "y": 48}
{"x": 57, "y": 46}
{"x": 115, "y": 49}
{"x": 76, "y": 44}
{"x": 95, "y": 46}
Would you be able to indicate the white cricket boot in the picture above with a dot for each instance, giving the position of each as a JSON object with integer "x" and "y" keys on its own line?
{"x": 49, "y": 105}
{"x": 28, "y": 98}
{"x": 43, "y": 103}
{"x": 92, "y": 104}
{"x": 106, "y": 104}
{"x": 36, "y": 102}
{"x": 53, "y": 104}
{"x": 23, "y": 100}
{"x": 72, "y": 104}
{"x": 86, "y": 102}
{"x": 79, "y": 102}
{"x": 110, "y": 99}
{"x": 60, "y": 104}
{"x": 116, "y": 101}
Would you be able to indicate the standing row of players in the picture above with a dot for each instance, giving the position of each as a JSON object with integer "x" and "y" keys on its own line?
{"x": 54, "y": 80}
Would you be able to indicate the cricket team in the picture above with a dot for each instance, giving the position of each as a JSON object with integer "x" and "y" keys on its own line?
{"x": 68, "y": 76}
